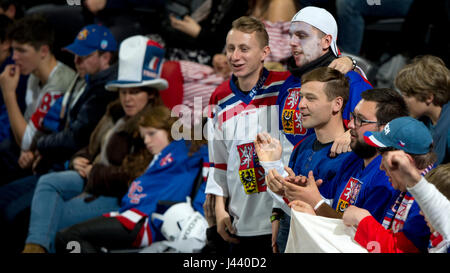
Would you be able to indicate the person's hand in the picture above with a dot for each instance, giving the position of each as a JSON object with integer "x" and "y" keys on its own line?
{"x": 308, "y": 192}
{"x": 26, "y": 159}
{"x": 343, "y": 64}
{"x": 9, "y": 79}
{"x": 36, "y": 161}
{"x": 353, "y": 215}
{"x": 341, "y": 144}
{"x": 80, "y": 164}
{"x": 275, "y": 182}
{"x": 187, "y": 25}
{"x": 267, "y": 148}
{"x": 87, "y": 170}
{"x": 209, "y": 209}
{"x": 400, "y": 168}
{"x": 294, "y": 179}
{"x": 224, "y": 226}
{"x": 95, "y": 6}
{"x": 221, "y": 66}
{"x": 301, "y": 206}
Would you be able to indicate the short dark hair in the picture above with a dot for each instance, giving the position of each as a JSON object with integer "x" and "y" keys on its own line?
{"x": 5, "y": 24}
{"x": 34, "y": 30}
{"x": 390, "y": 104}
{"x": 337, "y": 85}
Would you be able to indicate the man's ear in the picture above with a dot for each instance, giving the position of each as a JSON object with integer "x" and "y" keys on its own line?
{"x": 410, "y": 158}
{"x": 266, "y": 52}
{"x": 338, "y": 104}
{"x": 44, "y": 51}
{"x": 105, "y": 59}
{"x": 430, "y": 98}
{"x": 326, "y": 41}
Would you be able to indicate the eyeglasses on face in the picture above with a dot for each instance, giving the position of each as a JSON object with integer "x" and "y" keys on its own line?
{"x": 359, "y": 121}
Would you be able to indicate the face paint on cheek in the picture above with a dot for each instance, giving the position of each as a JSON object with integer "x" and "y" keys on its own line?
{"x": 311, "y": 48}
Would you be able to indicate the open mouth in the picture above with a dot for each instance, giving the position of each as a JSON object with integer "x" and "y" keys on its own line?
{"x": 305, "y": 116}
{"x": 237, "y": 66}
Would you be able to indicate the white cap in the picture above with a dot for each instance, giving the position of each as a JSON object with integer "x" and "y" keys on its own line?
{"x": 322, "y": 20}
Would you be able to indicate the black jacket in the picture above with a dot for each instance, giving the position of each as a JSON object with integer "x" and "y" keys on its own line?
{"x": 82, "y": 118}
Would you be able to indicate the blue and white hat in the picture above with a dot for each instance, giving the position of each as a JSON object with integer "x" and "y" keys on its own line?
{"x": 92, "y": 38}
{"x": 140, "y": 64}
{"x": 405, "y": 133}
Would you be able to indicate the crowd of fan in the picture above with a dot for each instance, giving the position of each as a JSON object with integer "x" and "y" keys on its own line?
{"x": 89, "y": 153}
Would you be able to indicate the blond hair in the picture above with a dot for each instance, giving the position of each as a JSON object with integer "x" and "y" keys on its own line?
{"x": 249, "y": 25}
{"x": 440, "y": 177}
{"x": 424, "y": 76}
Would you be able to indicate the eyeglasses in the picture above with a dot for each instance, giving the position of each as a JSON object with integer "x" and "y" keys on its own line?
{"x": 359, "y": 121}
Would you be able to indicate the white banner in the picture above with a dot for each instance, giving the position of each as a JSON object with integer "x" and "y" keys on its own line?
{"x": 316, "y": 234}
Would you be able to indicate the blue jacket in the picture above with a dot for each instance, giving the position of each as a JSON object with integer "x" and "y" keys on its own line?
{"x": 170, "y": 176}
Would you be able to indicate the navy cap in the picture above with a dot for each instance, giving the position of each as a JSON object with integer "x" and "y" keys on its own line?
{"x": 92, "y": 38}
{"x": 405, "y": 133}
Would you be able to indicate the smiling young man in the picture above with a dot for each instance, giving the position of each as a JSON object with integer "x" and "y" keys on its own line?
{"x": 243, "y": 105}
{"x": 361, "y": 184}
{"x": 324, "y": 95}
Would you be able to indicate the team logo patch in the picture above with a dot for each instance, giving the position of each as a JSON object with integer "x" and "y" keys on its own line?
{"x": 166, "y": 160}
{"x": 387, "y": 130}
{"x": 103, "y": 44}
{"x": 251, "y": 172}
{"x": 349, "y": 194}
{"x": 291, "y": 116}
{"x": 134, "y": 193}
{"x": 82, "y": 35}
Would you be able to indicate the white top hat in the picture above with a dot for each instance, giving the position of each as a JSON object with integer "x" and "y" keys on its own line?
{"x": 140, "y": 64}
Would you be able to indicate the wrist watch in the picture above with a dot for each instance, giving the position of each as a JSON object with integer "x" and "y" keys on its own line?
{"x": 353, "y": 62}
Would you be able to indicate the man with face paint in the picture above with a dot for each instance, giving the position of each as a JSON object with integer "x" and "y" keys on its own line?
{"x": 313, "y": 34}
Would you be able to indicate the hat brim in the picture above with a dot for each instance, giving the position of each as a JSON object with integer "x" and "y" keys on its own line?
{"x": 159, "y": 84}
{"x": 79, "y": 50}
{"x": 375, "y": 139}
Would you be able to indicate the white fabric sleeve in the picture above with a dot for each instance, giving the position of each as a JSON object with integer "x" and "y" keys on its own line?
{"x": 277, "y": 165}
{"x": 278, "y": 202}
{"x": 28, "y": 136}
{"x": 217, "y": 179}
{"x": 434, "y": 205}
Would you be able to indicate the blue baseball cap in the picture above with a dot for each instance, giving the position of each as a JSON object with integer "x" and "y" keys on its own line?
{"x": 405, "y": 133}
{"x": 92, "y": 38}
